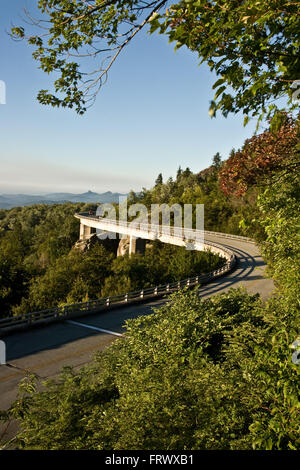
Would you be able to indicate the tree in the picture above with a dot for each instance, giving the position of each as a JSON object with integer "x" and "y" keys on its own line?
{"x": 76, "y": 30}
{"x": 252, "y": 46}
{"x": 186, "y": 173}
{"x": 159, "y": 180}
{"x": 217, "y": 160}
{"x": 261, "y": 158}
{"x": 279, "y": 215}
{"x": 179, "y": 173}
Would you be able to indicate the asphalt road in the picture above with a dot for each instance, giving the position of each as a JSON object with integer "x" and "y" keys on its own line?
{"x": 45, "y": 350}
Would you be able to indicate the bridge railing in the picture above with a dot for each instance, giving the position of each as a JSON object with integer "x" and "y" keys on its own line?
{"x": 175, "y": 231}
{"x": 12, "y": 324}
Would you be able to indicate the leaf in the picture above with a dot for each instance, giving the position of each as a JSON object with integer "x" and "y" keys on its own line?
{"x": 218, "y": 83}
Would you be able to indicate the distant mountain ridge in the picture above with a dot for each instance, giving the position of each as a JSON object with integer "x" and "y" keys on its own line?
{"x": 8, "y": 201}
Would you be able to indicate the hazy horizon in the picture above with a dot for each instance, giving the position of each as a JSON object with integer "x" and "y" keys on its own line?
{"x": 149, "y": 118}
{"x": 45, "y": 193}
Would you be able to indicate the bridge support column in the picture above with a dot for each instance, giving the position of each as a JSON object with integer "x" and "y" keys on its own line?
{"x": 137, "y": 245}
{"x": 86, "y": 232}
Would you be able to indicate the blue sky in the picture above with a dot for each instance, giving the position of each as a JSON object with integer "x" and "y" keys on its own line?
{"x": 150, "y": 117}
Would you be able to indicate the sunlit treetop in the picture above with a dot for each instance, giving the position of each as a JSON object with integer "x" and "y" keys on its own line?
{"x": 263, "y": 159}
{"x": 252, "y": 46}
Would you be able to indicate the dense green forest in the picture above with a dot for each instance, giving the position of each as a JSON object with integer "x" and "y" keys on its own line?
{"x": 198, "y": 374}
{"x": 41, "y": 267}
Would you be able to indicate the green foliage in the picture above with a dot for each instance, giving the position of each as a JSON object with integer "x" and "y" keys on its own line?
{"x": 13, "y": 281}
{"x": 197, "y": 374}
{"x": 279, "y": 206}
{"x": 31, "y": 239}
{"x": 159, "y": 180}
{"x": 222, "y": 212}
{"x": 278, "y": 426}
{"x": 161, "y": 264}
{"x": 253, "y": 47}
{"x": 78, "y": 30}
{"x": 40, "y": 268}
{"x": 73, "y": 278}
{"x": 217, "y": 161}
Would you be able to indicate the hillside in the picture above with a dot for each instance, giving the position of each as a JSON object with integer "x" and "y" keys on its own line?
{"x": 8, "y": 201}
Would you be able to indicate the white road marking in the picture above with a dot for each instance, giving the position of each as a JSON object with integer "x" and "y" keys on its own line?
{"x": 93, "y": 328}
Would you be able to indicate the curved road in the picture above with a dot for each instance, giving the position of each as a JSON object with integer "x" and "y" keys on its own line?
{"x": 45, "y": 350}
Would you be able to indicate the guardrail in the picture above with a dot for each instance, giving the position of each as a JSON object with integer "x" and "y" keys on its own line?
{"x": 12, "y": 324}
{"x": 163, "y": 229}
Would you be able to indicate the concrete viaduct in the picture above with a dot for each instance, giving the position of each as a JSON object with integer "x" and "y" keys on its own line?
{"x": 138, "y": 233}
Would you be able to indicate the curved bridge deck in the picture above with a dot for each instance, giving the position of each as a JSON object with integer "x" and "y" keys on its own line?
{"x": 249, "y": 271}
